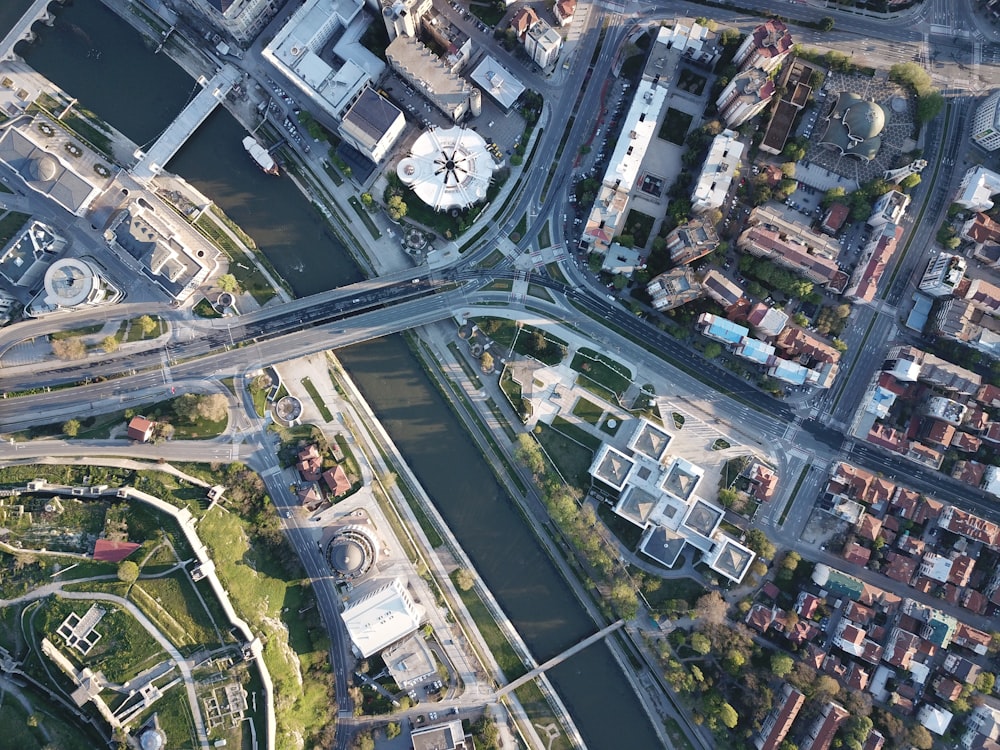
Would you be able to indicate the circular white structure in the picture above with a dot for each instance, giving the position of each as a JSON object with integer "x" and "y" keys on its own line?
{"x": 152, "y": 739}
{"x": 71, "y": 281}
{"x": 448, "y": 169}
{"x": 352, "y": 552}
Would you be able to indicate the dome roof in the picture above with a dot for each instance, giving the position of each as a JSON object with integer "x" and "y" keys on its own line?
{"x": 347, "y": 556}
{"x": 864, "y": 119}
{"x": 43, "y": 169}
{"x": 352, "y": 552}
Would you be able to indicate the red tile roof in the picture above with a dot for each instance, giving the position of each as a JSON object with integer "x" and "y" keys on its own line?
{"x": 855, "y": 554}
{"x": 139, "y": 429}
{"x": 109, "y": 551}
{"x": 336, "y": 479}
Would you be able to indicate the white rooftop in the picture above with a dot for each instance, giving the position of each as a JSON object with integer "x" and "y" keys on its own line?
{"x": 448, "y": 168}
{"x": 382, "y": 616}
{"x": 718, "y": 171}
{"x": 636, "y": 134}
{"x": 495, "y": 80}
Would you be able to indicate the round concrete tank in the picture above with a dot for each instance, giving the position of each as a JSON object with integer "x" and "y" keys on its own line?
{"x": 476, "y": 102}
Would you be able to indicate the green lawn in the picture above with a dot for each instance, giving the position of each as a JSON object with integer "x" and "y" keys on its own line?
{"x": 639, "y": 225}
{"x": 528, "y": 341}
{"x": 572, "y": 459}
{"x": 204, "y": 309}
{"x": 135, "y": 332}
{"x": 602, "y": 370}
{"x": 247, "y": 273}
{"x": 578, "y": 434}
{"x": 588, "y": 411}
{"x": 488, "y": 13}
{"x": 675, "y": 126}
{"x": 365, "y": 218}
{"x": 496, "y": 641}
{"x": 163, "y": 411}
{"x": 172, "y": 603}
{"x": 324, "y": 411}
{"x": 72, "y": 332}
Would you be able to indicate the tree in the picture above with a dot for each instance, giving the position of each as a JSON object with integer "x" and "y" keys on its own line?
{"x": 71, "y": 428}
{"x": 781, "y": 664}
{"x": 128, "y": 572}
{"x": 624, "y": 600}
{"x": 69, "y": 348}
{"x": 734, "y": 661}
{"x": 700, "y": 643}
{"x": 393, "y": 730}
{"x": 985, "y": 682}
{"x": 109, "y": 344}
{"x": 788, "y": 169}
{"x": 529, "y": 455}
{"x": 826, "y": 23}
{"x": 367, "y": 200}
{"x": 728, "y": 497}
{"x": 727, "y": 716}
{"x": 464, "y": 579}
{"x": 228, "y": 283}
{"x": 929, "y": 106}
{"x": 910, "y": 181}
{"x": 364, "y": 741}
{"x": 710, "y": 609}
{"x": 486, "y": 363}
{"x": 919, "y": 737}
{"x": 146, "y": 324}
{"x": 757, "y": 541}
{"x": 712, "y": 349}
{"x": 396, "y": 208}
{"x": 839, "y": 345}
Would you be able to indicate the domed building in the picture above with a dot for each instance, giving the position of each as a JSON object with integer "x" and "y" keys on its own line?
{"x": 855, "y": 126}
{"x": 448, "y": 168}
{"x": 352, "y": 552}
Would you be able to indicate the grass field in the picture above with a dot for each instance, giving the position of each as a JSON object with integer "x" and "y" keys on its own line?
{"x": 675, "y": 126}
{"x": 588, "y": 411}
{"x": 576, "y": 434}
{"x": 604, "y": 371}
{"x": 324, "y": 411}
{"x": 572, "y": 459}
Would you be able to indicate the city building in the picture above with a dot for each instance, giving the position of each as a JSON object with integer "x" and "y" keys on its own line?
{"x": 448, "y": 168}
{"x": 620, "y": 259}
{"x": 403, "y": 17}
{"x": 794, "y": 82}
{"x": 889, "y": 208}
{"x": 241, "y": 19}
{"x": 943, "y": 274}
{"x": 72, "y": 283}
{"x": 542, "y": 43}
{"x": 766, "y": 320}
{"x": 875, "y": 257}
{"x": 822, "y": 730}
{"x": 673, "y": 288}
{"x": 721, "y": 289}
{"x": 497, "y": 82}
{"x": 982, "y": 728}
{"x": 353, "y": 551}
{"x": 768, "y": 243}
{"x": 722, "y": 330}
{"x": 39, "y": 153}
{"x": 447, "y": 736}
{"x": 173, "y": 255}
{"x": 745, "y": 97}
{"x": 379, "y": 615}
{"x": 977, "y": 187}
{"x": 834, "y": 218}
{"x": 372, "y": 124}
{"x": 715, "y": 179}
{"x": 766, "y": 47}
{"x": 454, "y": 43}
{"x": 140, "y": 429}
{"x": 909, "y": 364}
{"x": 788, "y": 224}
{"x": 24, "y": 260}
{"x": 657, "y": 494}
{"x": 984, "y": 234}
{"x": 611, "y": 204}
{"x": 522, "y": 20}
{"x": 564, "y": 10}
{"x": 986, "y": 123}
{"x": 431, "y": 76}
{"x": 984, "y": 295}
{"x": 695, "y": 42}
{"x": 691, "y": 241}
{"x": 854, "y": 126}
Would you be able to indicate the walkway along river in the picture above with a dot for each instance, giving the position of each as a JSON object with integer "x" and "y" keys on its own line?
{"x": 99, "y": 59}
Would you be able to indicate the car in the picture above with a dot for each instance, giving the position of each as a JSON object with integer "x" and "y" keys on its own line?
{"x": 432, "y": 715}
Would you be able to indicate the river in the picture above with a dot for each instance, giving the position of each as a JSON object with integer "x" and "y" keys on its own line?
{"x": 96, "y": 57}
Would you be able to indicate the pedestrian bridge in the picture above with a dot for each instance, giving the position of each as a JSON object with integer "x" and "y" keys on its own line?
{"x": 152, "y": 162}
{"x": 21, "y": 31}
{"x": 525, "y": 678}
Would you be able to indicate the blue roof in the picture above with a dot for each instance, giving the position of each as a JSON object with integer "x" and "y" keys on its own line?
{"x": 755, "y": 350}
{"x": 917, "y": 318}
{"x": 790, "y": 372}
{"x": 726, "y": 330}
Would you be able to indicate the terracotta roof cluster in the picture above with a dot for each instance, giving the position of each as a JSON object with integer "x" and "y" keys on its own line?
{"x": 970, "y": 526}
{"x": 336, "y": 479}
{"x": 865, "y": 285}
{"x": 859, "y": 484}
{"x": 779, "y": 721}
{"x": 797, "y": 342}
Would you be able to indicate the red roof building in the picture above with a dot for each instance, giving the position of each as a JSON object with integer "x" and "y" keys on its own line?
{"x": 523, "y": 20}
{"x": 989, "y": 395}
{"x": 109, "y": 551}
{"x": 965, "y": 442}
{"x": 834, "y": 218}
{"x": 900, "y": 568}
{"x": 779, "y": 721}
{"x": 825, "y": 727}
{"x": 140, "y": 429}
{"x": 806, "y": 605}
{"x": 973, "y": 601}
{"x": 904, "y": 503}
{"x": 874, "y": 741}
{"x": 310, "y": 464}
{"x": 869, "y": 528}
{"x": 855, "y": 554}
{"x": 336, "y": 479}
{"x": 901, "y": 649}
{"x": 765, "y": 482}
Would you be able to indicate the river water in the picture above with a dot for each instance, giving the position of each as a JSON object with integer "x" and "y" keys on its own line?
{"x": 96, "y": 57}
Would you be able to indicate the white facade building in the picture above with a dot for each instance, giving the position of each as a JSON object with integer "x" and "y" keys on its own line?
{"x": 889, "y": 209}
{"x": 372, "y": 124}
{"x": 976, "y": 189}
{"x": 244, "y": 19}
{"x": 381, "y": 616}
{"x": 542, "y": 43}
{"x": 986, "y": 123}
{"x": 72, "y": 283}
{"x": 943, "y": 274}
{"x": 448, "y": 168}
{"x": 717, "y": 173}
{"x": 745, "y": 97}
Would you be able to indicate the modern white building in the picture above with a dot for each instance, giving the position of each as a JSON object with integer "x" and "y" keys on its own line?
{"x": 717, "y": 173}
{"x": 372, "y": 124}
{"x": 976, "y": 189}
{"x": 943, "y": 274}
{"x": 889, "y": 208}
{"x": 72, "y": 283}
{"x": 745, "y": 97}
{"x": 986, "y": 123}
{"x": 694, "y": 41}
{"x": 620, "y": 177}
{"x": 500, "y": 84}
{"x": 448, "y": 168}
{"x": 402, "y": 17}
{"x": 243, "y": 19}
{"x": 766, "y": 47}
{"x": 542, "y": 43}
{"x": 383, "y": 614}
{"x": 331, "y": 78}
{"x": 24, "y": 260}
